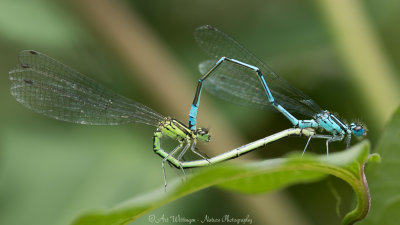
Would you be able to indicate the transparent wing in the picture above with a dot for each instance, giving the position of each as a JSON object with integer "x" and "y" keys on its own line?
{"x": 239, "y": 85}
{"x": 218, "y": 44}
{"x": 229, "y": 84}
{"x": 53, "y": 89}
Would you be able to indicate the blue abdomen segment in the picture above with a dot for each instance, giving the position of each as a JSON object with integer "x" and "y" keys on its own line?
{"x": 192, "y": 117}
{"x": 291, "y": 118}
{"x": 308, "y": 124}
{"x": 195, "y": 106}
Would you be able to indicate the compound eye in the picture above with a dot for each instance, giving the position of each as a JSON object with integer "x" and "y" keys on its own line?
{"x": 203, "y": 135}
{"x": 358, "y": 130}
{"x": 202, "y": 131}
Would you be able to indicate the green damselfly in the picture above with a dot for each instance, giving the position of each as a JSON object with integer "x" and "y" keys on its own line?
{"x": 53, "y": 89}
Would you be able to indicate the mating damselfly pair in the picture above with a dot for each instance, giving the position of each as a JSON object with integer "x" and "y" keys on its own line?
{"x": 55, "y": 90}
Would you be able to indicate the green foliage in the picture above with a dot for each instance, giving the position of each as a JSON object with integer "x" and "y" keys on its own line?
{"x": 253, "y": 177}
{"x": 383, "y": 178}
{"x": 38, "y": 23}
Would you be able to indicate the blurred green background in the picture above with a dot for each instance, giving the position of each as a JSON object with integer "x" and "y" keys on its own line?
{"x": 344, "y": 55}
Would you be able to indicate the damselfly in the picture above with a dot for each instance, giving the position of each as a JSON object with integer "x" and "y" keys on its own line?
{"x": 53, "y": 89}
{"x": 238, "y": 76}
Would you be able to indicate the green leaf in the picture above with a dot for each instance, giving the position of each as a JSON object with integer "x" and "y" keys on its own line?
{"x": 384, "y": 177}
{"x": 250, "y": 178}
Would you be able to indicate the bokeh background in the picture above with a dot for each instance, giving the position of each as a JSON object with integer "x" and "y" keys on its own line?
{"x": 344, "y": 54}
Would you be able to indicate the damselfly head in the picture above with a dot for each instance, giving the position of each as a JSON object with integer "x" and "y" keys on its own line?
{"x": 358, "y": 129}
{"x": 202, "y": 134}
